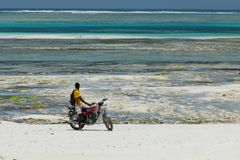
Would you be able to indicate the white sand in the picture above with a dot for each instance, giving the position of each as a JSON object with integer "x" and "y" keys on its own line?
{"x": 126, "y": 142}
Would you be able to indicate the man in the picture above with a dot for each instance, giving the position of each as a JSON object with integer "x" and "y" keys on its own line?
{"x": 79, "y": 101}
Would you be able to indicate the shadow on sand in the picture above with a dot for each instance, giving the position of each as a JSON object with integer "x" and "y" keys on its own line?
{"x": 89, "y": 130}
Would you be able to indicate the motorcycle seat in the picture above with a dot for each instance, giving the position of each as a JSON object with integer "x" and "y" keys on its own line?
{"x": 88, "y": 109}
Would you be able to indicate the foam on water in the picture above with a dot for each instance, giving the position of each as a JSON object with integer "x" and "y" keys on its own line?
{"x": 107, "y": 36}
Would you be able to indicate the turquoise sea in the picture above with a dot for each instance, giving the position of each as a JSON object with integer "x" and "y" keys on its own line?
{"x": 155, "y": 66}
{"x": 145, "y": 24}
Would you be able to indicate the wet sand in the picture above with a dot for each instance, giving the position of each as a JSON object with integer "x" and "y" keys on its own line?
{"x": 132, "y": 98}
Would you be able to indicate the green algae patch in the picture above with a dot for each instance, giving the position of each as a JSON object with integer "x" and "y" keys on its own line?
{"x": 36, "y": 102}
{"x": 18, "y": 99}
{"x": 13, "y": 99}
{"x": 32, "y": 97}
{"x": 24, "y": 102}
{"x": 237, "y": 79}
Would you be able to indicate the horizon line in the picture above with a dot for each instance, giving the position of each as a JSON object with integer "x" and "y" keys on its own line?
{"x": 121, "y": 9}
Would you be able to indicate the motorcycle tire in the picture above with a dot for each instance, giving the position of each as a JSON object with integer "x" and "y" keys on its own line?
{"x": 108, "y": 123}
{"x": 76, "y": 125}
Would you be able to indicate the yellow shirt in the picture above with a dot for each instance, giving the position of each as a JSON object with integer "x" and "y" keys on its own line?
{"x": 77, "y": 94}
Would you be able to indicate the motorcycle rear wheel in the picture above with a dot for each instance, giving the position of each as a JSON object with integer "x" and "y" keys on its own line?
{"x": 108, "y": 123}
{"x": 76, "y": 125}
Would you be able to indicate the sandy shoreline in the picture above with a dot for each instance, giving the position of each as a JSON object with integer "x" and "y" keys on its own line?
{"x": 165, "y": 142}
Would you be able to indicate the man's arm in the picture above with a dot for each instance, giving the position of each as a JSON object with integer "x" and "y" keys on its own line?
{"x": 81, "y": 99}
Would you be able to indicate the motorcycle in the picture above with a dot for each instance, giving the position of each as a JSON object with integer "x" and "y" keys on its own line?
{"x": 90, "y": 116}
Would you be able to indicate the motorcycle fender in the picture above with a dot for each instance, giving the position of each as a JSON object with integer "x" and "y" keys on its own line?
{"x": 104, "y": 113}
{"x": 70, "y": 113}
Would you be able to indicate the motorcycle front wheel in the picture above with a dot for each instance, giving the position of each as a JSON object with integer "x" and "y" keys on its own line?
{"x": 108, "y": 123}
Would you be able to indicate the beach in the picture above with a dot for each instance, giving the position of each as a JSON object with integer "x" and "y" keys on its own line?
{"x": 129, "y": 142}
{"x": 172, "y": 79}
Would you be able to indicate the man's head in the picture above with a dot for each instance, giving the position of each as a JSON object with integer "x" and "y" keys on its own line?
{"x": 77, "y": 85}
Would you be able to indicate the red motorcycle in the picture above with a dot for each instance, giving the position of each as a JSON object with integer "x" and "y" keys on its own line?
{"x": 90, "y": 116}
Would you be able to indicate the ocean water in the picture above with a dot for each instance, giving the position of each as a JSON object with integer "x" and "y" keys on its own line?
{"x": 154, "y": 66}
{"x": 145, "y": 24}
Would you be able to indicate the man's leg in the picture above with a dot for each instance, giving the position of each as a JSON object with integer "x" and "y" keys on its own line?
{"x": 86, "y": 106}
{"x": 79, "y": 111}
